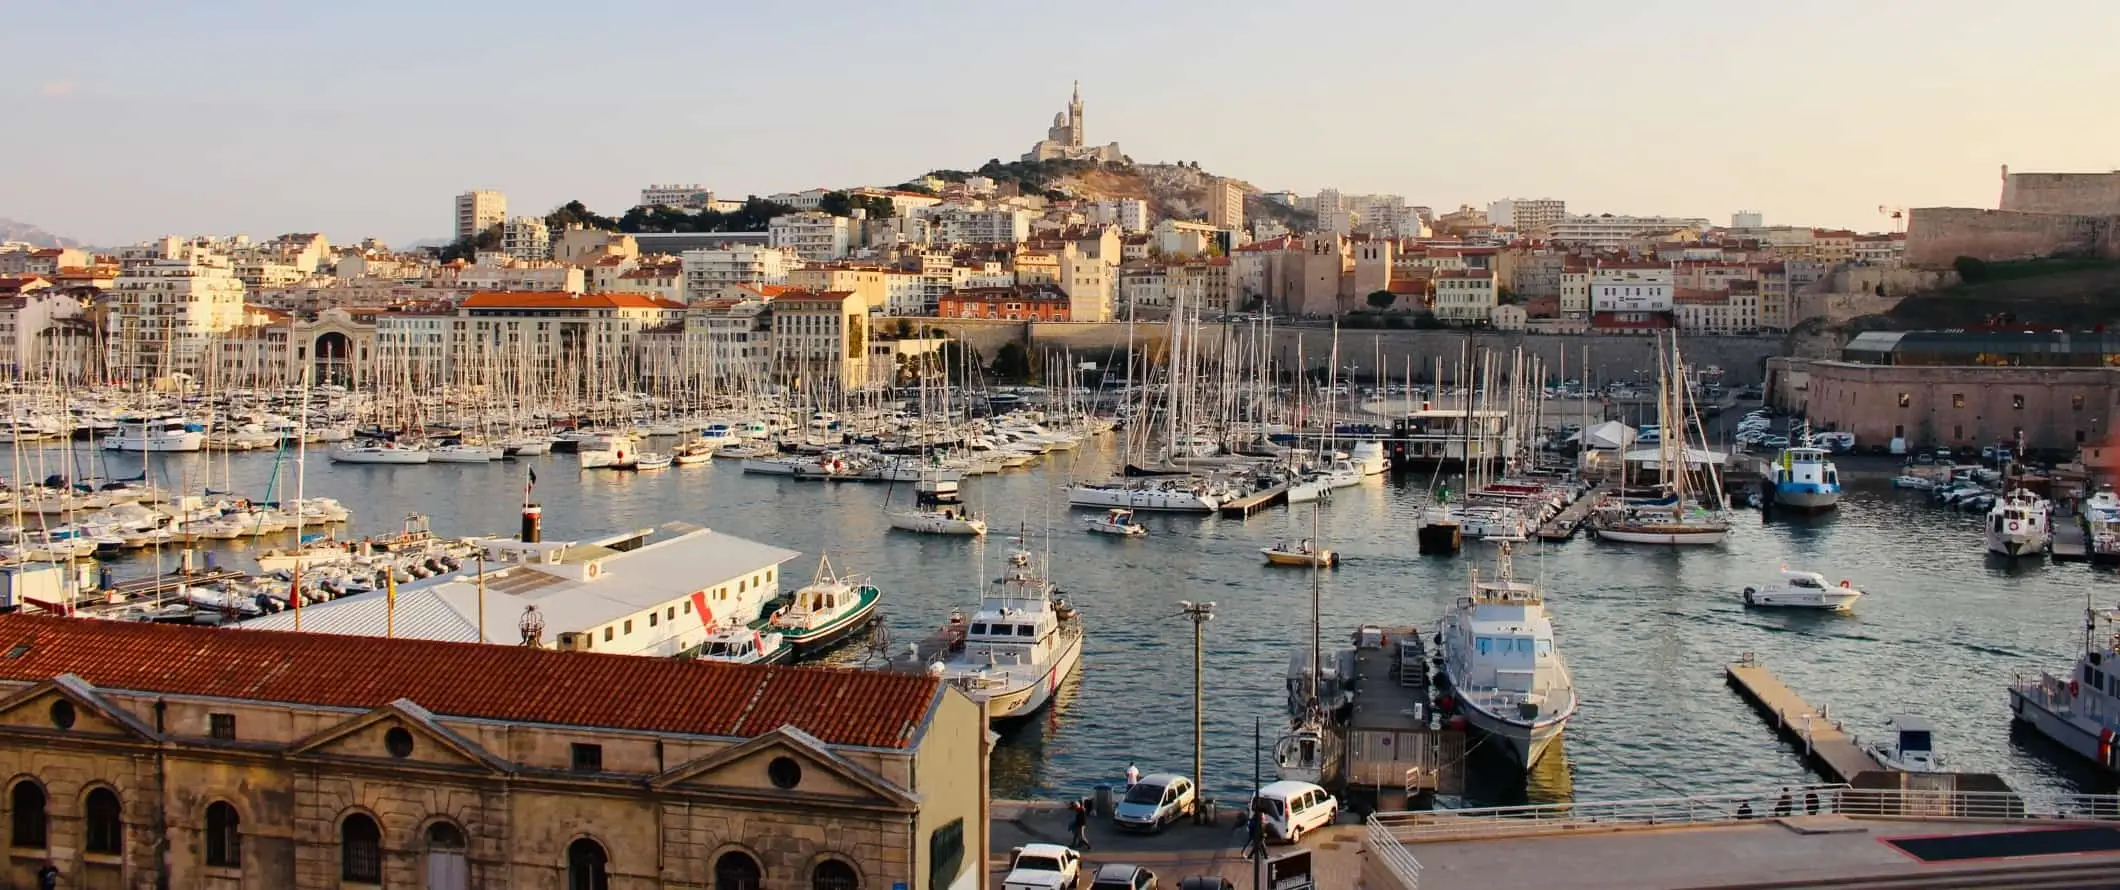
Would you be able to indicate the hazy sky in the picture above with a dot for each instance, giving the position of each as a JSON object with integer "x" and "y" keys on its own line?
{"x": 126, "y": 120}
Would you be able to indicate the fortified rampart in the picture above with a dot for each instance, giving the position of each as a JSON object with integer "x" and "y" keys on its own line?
{"x": 1610, "y": 356}
{"x": 2072, "y": 194}
{"x": 1853, "y": 290}
{"x": 1936, "y": 236}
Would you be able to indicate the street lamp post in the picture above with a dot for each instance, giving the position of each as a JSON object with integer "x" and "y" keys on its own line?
{"x": 1200, "y": 614}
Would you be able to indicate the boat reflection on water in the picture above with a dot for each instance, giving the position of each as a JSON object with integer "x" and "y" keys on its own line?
{"x": 1023, "y": 754}
{"x": 1496, "y": 780}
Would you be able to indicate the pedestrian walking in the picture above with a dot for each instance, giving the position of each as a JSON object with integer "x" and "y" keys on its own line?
{"x": 1255, "y": 835}
{"x": 1079, "y": 826}
{"x": 1133, "y": 776}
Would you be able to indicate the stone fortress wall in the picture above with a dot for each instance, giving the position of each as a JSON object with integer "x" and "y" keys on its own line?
{"x": 2041, "y": 214}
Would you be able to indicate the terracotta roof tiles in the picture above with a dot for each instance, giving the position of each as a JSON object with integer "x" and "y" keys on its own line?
{"x": 473, "y": 680}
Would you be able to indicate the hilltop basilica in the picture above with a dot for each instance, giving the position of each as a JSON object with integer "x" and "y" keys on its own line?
{"x": 1064, "y": 140}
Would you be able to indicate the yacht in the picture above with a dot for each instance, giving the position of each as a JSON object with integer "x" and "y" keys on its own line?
{"x": 1802, "y": 477}
{"x": 1369, "y": 457}
{"x": 1911, "y": 748}
{"x": 378, "y": 451}
{"x": 2080, "y": 709}
{"x": 154, "y": 434}
{"x": 2017, "y": 525}
{"x": 1803, "y": 590}
{"x": 2101, "y": 526}
{"x": 826, "y": 611}
{"x": 937, "y": 510}
{"x": 1022, "y": 644}
{"x": 1665, "y": 520}
{"x": 1505, "y": 675}
{"x": 1168, "y": 494}
{"x": 463, "y": 453}
{"x": 611, "y": 451}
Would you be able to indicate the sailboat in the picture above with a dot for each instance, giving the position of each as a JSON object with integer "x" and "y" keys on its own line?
{"x": 1309, "y": 750}
{"x": 1671, "y": 518}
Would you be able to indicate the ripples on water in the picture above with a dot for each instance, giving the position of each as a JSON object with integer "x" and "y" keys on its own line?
{"x": 1646, "y": 631}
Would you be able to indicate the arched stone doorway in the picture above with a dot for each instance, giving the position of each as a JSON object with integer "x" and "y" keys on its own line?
{"x": 333, "y": 352}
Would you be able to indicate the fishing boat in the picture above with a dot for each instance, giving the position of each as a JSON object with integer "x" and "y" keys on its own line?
{"x": 937, "y": 510}
{"x": 1020, "y": 646}
{"x": 2018, "y": 525}
{"x": 826, "y": 611}
{"x": 378, "y": 451}
{"x": 1114, "y": 522}
{"x": 652, "y": 460}
{"x": 2080, "y": 709}
{"x": 1802, "y": 590}
{"x": 1506, "y": 676}
{"x": 737, "y": 644}
{"x": 1803, "y": 478}
{"x": 1301, "y": 553}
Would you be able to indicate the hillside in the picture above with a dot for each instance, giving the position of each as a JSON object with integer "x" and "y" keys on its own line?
{"x": 11, "y": 230}
{"x": 1177, "y": 191}
{"x": 2069, "y": 292}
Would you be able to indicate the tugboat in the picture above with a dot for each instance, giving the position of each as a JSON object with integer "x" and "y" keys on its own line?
{"x": 1022, "y": 644}
{"x": 2080, "y": 709}
{"x": 825, "y": 612}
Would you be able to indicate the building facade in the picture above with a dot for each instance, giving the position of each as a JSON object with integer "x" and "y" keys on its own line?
{"x": 2051, "y": 409}
{"x": 169, "y": 300}
{"x": 525, "y": 238}
{"x": 815, "y": 237}
{"x": 1225, "y": 204}
{"x": 1067, "y": 139}
{"x": 1021, "y": 303}
{"x": 821, "y": 338}
{"x": 479, "y": 210}
{"x": 694, "y": 197}
{"x": 134, "y": 758}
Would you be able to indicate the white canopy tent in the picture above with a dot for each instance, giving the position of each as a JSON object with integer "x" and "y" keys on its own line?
{"x": 1694, "y": 457}
{"x": 1609, "y": 435}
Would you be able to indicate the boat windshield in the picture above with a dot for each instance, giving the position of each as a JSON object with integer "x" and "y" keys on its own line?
{"x": 1801, "y": 581}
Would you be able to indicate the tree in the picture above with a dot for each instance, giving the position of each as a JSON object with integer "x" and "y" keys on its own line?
{"x": 836, "y": 204}
{"x": 1971, "y": 270}
{"x": 1505, "y": 296}
{"x": 1424, "y": 320}
{"x": 575, "y": 213}
{"x": 1012, "y": 362}
{"x": 1382, "y": 299}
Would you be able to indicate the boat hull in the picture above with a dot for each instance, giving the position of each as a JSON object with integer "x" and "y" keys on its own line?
{"x": 392, "y": 456}
{"x": 1813, "y": 500}
{"x": 1322, "y": 558}
{"x": 810, "y": 642}
{"x": 156, "y": 443}
{"x": 2032, "y": 710}
{"x": 1027, "y": 700}
{"x": 1836, "y": 599}
{"x": 1141, "y": 499}
{"x": 1701, "y": 537}
{"x": 931, "y": 524}
{"x": 1525, "y": 744}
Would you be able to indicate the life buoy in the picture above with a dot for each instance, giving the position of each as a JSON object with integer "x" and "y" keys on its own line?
{"x": 2015, "y": 525}
{"x": 1844, "y": 583}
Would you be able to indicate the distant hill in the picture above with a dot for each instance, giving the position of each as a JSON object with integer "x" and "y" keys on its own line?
{"x": 11, "y": 230}
{"x": 1176, "y": 191}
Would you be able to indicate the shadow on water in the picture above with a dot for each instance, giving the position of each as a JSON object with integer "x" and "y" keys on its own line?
{"x": 1021, "y": 759}
{"x": 1493, "y": 779}
{"x": 2073, "y": 772}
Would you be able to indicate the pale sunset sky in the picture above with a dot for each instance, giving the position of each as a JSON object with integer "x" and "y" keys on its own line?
{"x": 128, "y": 119}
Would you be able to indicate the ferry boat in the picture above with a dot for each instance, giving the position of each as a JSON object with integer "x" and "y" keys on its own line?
{"x": 1803, "y": 590}
{"x": 2101, "y": 526}
{"x": 825, "y": 612}
{"x": 1021, "y": 645}
{"x": 1802, "y": 477}
{"x": 2018, "y": 525}
{"x": 1505, "y": 674}
{"x": 2079, "y": 710}
{"x": 160, "y": 434}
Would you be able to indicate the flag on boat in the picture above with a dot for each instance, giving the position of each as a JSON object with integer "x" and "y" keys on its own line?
{"x": 533, "y": 480}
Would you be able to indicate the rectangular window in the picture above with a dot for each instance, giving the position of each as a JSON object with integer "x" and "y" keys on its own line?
{"x": 2017, "y": 402}
{"x": 671, "y": 613}
{"x": 652, "y": 618}
{"x": 688, "y": 607}
{"x": 629, "y": 625}
{"x": 2075, "y": 403}
{"x": 1905, "y": 399}
{"x": 1957, "y": 433}
{"x": 607, "y": 635}
{"x": 1957, "y": 400}
{"x": 222, "y": 726}
{"x": 588, "y": 758}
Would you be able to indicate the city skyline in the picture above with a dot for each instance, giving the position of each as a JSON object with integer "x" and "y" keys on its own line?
{"x": 237, "y": 117}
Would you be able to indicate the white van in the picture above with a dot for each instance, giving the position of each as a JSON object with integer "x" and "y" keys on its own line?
{"x": 1294, "y": 809}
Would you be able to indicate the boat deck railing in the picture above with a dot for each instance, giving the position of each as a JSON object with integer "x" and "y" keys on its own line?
{"x": 1388, "y": 834}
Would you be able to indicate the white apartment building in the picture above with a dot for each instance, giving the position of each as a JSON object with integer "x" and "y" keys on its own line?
{"x": 1334, "y": 216}
{"x": 816, "y": 237}
{"x": 1606, "y": 230}
{"x": 1465, "y": 296}
{"x": 710, "y": 269}
{"x": 1633, "y": 289}
{"x": 492, "y": 271}
{"x": 665, "y": 280}
{"x": 808, "y": 199}
{"x": 1143, "y": 287}
{"x": 691, "y": 196}
{"x": 1375, "y": 213}
{"x": 170, "y": 299}
{"x": 905, "y": 293}
{"x": 259, "y": 272}
{"x": 1130, "y": 214}
{"x": 479, "y": 210}
{"x": 998, "y": 226}
{"x": 730, "y": 341}
{"x": 1527, "y": 215}
{"x": 24, "y": 320}
{"x": 1575, "y": 291}
{"x": 525, "y": 238}
{"x": 1748, "y": 219}
{"x": 1179, "y": 238}
{"x": 571, "y": 335}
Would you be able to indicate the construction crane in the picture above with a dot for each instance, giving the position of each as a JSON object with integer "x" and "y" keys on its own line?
{"x": 1898, "y": 215}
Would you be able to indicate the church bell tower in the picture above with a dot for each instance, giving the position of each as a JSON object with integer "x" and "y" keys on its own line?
{"x": 1074, "y": 117}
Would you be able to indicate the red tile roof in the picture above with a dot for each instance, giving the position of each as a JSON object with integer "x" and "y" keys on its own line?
{"x": 481, "y": 681}
{"x": 564, "y": 300}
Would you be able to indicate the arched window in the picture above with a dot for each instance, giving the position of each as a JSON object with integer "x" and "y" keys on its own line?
{"x": 737, "y": 871}
{"x": 833, "y": 874}
{"x": 224, "y": 838}
{"x": 585, "y": 866}
{"x": 104, "y": 823}
{"x": 360, "y": 850}
{"x": 31, "y": 821}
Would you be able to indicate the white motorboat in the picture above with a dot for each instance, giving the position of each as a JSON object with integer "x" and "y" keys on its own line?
{"x": 1917, "y": 483}
{"x": 376, "y": 451}
{"x": 1506, "y": 675}
{"x": 2101, "y": 526}
{"x": 1307, "y": 490}
{"x": 1020, "y": 646}
{"x": 768, "y": 466}
{"x": 1115, "y": 522}
{"x": 461, "y": 453}
{"x": 154, "y": 434}
{"x": 527, "y": 446}
{"x": 1911, "y": 748}
{"x": 2018, "y": 525}
{"x": 1302, "y": 553}
{"x": 937, "y": 510}
{"x": 1369, "y": 458}
{"x": 652, "y": 460}
{"x": 1803, "y": 590}
{"x": 2079, "y": 709}
{"x": 738, "y": 644}
{"x": 610, "y": 452}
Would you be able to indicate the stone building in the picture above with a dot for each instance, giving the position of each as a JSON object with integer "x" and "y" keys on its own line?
{"x": 1066, "y": 140}
{"x": 142, "y": 755}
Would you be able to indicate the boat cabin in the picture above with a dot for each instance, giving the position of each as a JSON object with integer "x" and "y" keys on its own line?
{"x": 1914, "y": 736}
{"x": 1016, "y": 622}
{"x": 1804, "y": 465}
{"x": 1509, "y": 638}
{"x": 740, "y": 648}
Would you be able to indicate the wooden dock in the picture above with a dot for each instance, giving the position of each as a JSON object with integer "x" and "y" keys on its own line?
{"x": 1826, "y": 748}
{"x": 1565, "y": 525}
{"x": 1254, "y": 502}
{"x": 2070, "y": 545}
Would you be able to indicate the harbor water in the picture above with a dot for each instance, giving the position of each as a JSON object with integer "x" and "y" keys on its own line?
{"x": 1646, "y": 631}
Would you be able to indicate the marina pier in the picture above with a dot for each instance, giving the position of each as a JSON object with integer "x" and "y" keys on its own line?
{"x": 1825, "y": 747}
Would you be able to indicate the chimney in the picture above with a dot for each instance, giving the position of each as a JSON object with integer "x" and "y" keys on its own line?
{"x": 533, "y": 519}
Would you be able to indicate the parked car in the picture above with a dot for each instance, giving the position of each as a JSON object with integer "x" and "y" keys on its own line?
{"x": 1774, "y": 442}
{"x": 1154, "y": 802}
{"x": 1123, "y": 877}
{"x": 1293, "y": 809}
{"x": 1043, "y": 867}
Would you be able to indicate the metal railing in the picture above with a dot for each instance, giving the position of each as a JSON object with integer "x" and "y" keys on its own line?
{"x": 1388, "y": 834}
